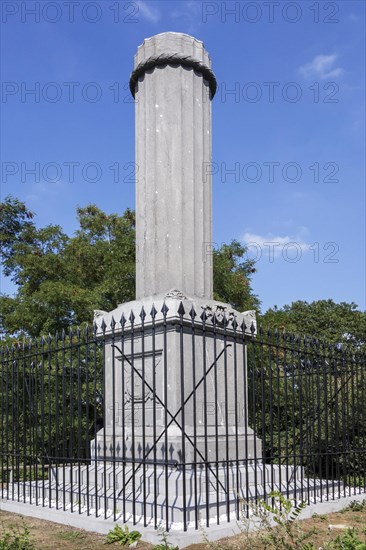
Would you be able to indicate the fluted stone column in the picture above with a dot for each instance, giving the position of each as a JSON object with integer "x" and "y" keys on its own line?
{"x": 175, "y": 362}
{"x": 173, "y": 86}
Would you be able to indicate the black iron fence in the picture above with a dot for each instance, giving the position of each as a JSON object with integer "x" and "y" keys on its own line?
{"x": 179, "y": 416}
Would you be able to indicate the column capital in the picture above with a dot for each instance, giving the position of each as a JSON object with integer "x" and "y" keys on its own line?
{"x": 172, "y": 48}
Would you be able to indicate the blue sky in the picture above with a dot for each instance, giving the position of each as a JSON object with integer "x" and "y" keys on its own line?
{"x": 288, "y": 141}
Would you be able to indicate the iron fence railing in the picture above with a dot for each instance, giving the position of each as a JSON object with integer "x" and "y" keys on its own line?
{"x": 181, "y": 419}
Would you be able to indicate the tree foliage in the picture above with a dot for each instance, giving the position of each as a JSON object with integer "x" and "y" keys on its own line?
{"x": 61, "y": 279}
{"x": 316, "y": 378}
{"x": 306, "y": 400}
{"x": 342, "y": 324}
{"x": 232, "y": 274}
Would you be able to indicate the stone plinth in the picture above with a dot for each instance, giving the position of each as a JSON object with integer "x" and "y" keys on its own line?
{"x": 173, "y": 191}
{"x": 183, "y": 370}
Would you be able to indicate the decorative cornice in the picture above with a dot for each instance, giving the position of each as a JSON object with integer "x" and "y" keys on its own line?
{"x": 170, "y": 58}
{"x": 177, "y": 294}
{"x": 219, "y": 312}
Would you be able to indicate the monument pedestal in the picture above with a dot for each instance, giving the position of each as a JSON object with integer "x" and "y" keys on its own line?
{"x": 176, "y": 383}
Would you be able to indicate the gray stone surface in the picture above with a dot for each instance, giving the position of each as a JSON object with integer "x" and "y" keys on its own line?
{"x": 173, "y": 195}
{"x": 179, "y": 354}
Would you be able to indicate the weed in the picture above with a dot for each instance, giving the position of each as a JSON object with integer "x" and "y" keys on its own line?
{"x": 164, "y": 544}
{"x": 286, "y": 533}
{"x": 347, "y": 541}
{"x": 16, "y": 539}
{"x": 355, "y": 506}
{"x": 122, "y": 535}
{"x": 322, "y": 517}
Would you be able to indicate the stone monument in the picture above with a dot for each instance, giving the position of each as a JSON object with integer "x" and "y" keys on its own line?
{"x": 181, "y": 358}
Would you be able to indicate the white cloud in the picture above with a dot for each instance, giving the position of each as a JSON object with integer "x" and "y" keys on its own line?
{"x": 275, "y": 246}
{"x": 322, "y": 66}
{"x": 45, "y": 193}
{"x": 149, "y": 13}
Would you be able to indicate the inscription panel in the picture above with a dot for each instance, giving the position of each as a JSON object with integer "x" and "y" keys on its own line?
{"x": 137, "y": 380}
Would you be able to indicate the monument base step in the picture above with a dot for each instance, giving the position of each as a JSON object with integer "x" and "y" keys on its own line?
{"x": 182, "y": 495}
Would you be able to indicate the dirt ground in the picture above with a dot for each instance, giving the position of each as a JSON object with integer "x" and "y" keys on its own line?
{"x": 323, "y": 529}
{"x": 46, "y": 535}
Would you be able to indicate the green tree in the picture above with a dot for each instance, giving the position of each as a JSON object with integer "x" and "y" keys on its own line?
{"x": 232, "y": 274}
{"x": 316, "y": 378}
{"x": 62, "y": 279}
{"x": 342, "y": 324}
